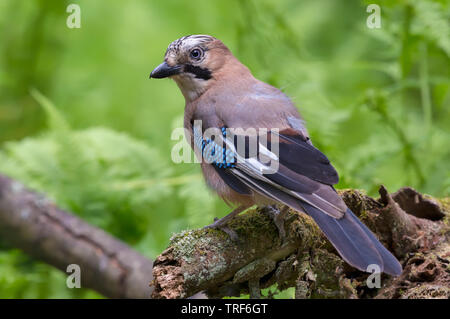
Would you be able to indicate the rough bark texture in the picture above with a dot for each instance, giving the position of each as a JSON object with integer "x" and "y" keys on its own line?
{"x": 414, "y": 227}
{"x": 30, "y": 222}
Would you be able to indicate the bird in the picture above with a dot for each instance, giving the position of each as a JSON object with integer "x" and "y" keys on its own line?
{"x": 224, "y": 101}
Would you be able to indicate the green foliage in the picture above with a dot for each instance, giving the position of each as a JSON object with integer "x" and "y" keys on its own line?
{"x": 93, "y": 173}
{"x": 432, "y": 23}
{"x": 21, "y": 277}
{"x": 376, "y": 102}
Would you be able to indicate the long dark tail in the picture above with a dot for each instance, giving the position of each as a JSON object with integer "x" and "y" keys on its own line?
{"x": 354, "y": 241}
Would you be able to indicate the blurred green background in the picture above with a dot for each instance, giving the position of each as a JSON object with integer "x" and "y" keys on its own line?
{"x": 81, "y": 121}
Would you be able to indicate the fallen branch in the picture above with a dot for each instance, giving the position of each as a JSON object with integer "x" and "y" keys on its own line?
{"x": 30, "y": 222}
{"x": 412, "y": 226}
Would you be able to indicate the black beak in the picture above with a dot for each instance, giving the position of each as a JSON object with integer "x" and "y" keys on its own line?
{"x": 164, "y": 70}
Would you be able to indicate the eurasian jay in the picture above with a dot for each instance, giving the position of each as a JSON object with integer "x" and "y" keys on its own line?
{"x": 222, "y": 95}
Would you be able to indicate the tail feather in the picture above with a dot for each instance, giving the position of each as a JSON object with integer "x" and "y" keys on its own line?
{"x": 355, "y": 242}
{"x": 350, "y": 241}
{"x": 391, "y": 264}
{"x": 357, "y": 245}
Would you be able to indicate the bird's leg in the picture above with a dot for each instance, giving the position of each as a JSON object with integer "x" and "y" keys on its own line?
{"x": 222, "y": 222}
{"x": 278, "y": 216}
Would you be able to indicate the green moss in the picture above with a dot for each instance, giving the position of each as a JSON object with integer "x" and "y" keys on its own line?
{"x": 445, "y": 204}
{"x": 254, "y": 270}
{"x": 252, "y": 222}
{"x": 306, "y": 230}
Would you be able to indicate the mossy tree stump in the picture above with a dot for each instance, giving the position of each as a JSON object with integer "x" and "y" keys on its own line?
{"x": 414, "y": 227}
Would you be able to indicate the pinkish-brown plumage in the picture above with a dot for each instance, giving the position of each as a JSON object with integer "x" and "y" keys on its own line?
{"x": 222, "y": 93}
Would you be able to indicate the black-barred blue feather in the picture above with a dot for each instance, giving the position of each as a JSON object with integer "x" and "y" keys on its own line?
{"x": 212, "y": 152}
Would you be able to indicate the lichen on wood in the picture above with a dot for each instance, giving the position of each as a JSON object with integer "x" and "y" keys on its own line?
{"x": 413, "y": 226}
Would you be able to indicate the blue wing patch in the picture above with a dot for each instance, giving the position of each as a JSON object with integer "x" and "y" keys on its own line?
{"x": 212, "y": 152}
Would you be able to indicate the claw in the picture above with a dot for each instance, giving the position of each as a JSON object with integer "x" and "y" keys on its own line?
{"x": 223, "y": 227}
{"x": 278, "y": 216}
{"x": 221, "y": 223}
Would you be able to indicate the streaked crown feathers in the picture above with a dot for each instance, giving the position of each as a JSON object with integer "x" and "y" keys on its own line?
{"x": 189, "y": 41}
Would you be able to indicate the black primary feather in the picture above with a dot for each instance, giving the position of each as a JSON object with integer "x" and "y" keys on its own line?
{"x": 232, "y": 181}
{"x": 303, "y": 158}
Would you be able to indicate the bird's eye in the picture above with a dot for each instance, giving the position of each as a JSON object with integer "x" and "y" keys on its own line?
{"x": 196, "y": 54}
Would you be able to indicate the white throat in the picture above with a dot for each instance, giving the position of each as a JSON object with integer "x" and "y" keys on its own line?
{"x": 190, "y": 86}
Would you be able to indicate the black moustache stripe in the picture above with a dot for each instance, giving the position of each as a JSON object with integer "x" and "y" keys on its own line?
{"x": 200, "y": 73}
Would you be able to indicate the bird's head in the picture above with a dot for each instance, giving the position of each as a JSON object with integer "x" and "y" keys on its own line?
{"x": 194, "y": 62}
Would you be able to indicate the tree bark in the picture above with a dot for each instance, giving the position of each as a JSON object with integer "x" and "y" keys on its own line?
{"x": 30, "y": 222}
{"x": 414, "y": 227}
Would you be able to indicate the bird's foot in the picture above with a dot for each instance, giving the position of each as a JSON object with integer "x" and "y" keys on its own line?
{"x": 222, "y": 225}
{"x": 278, "y": 217}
